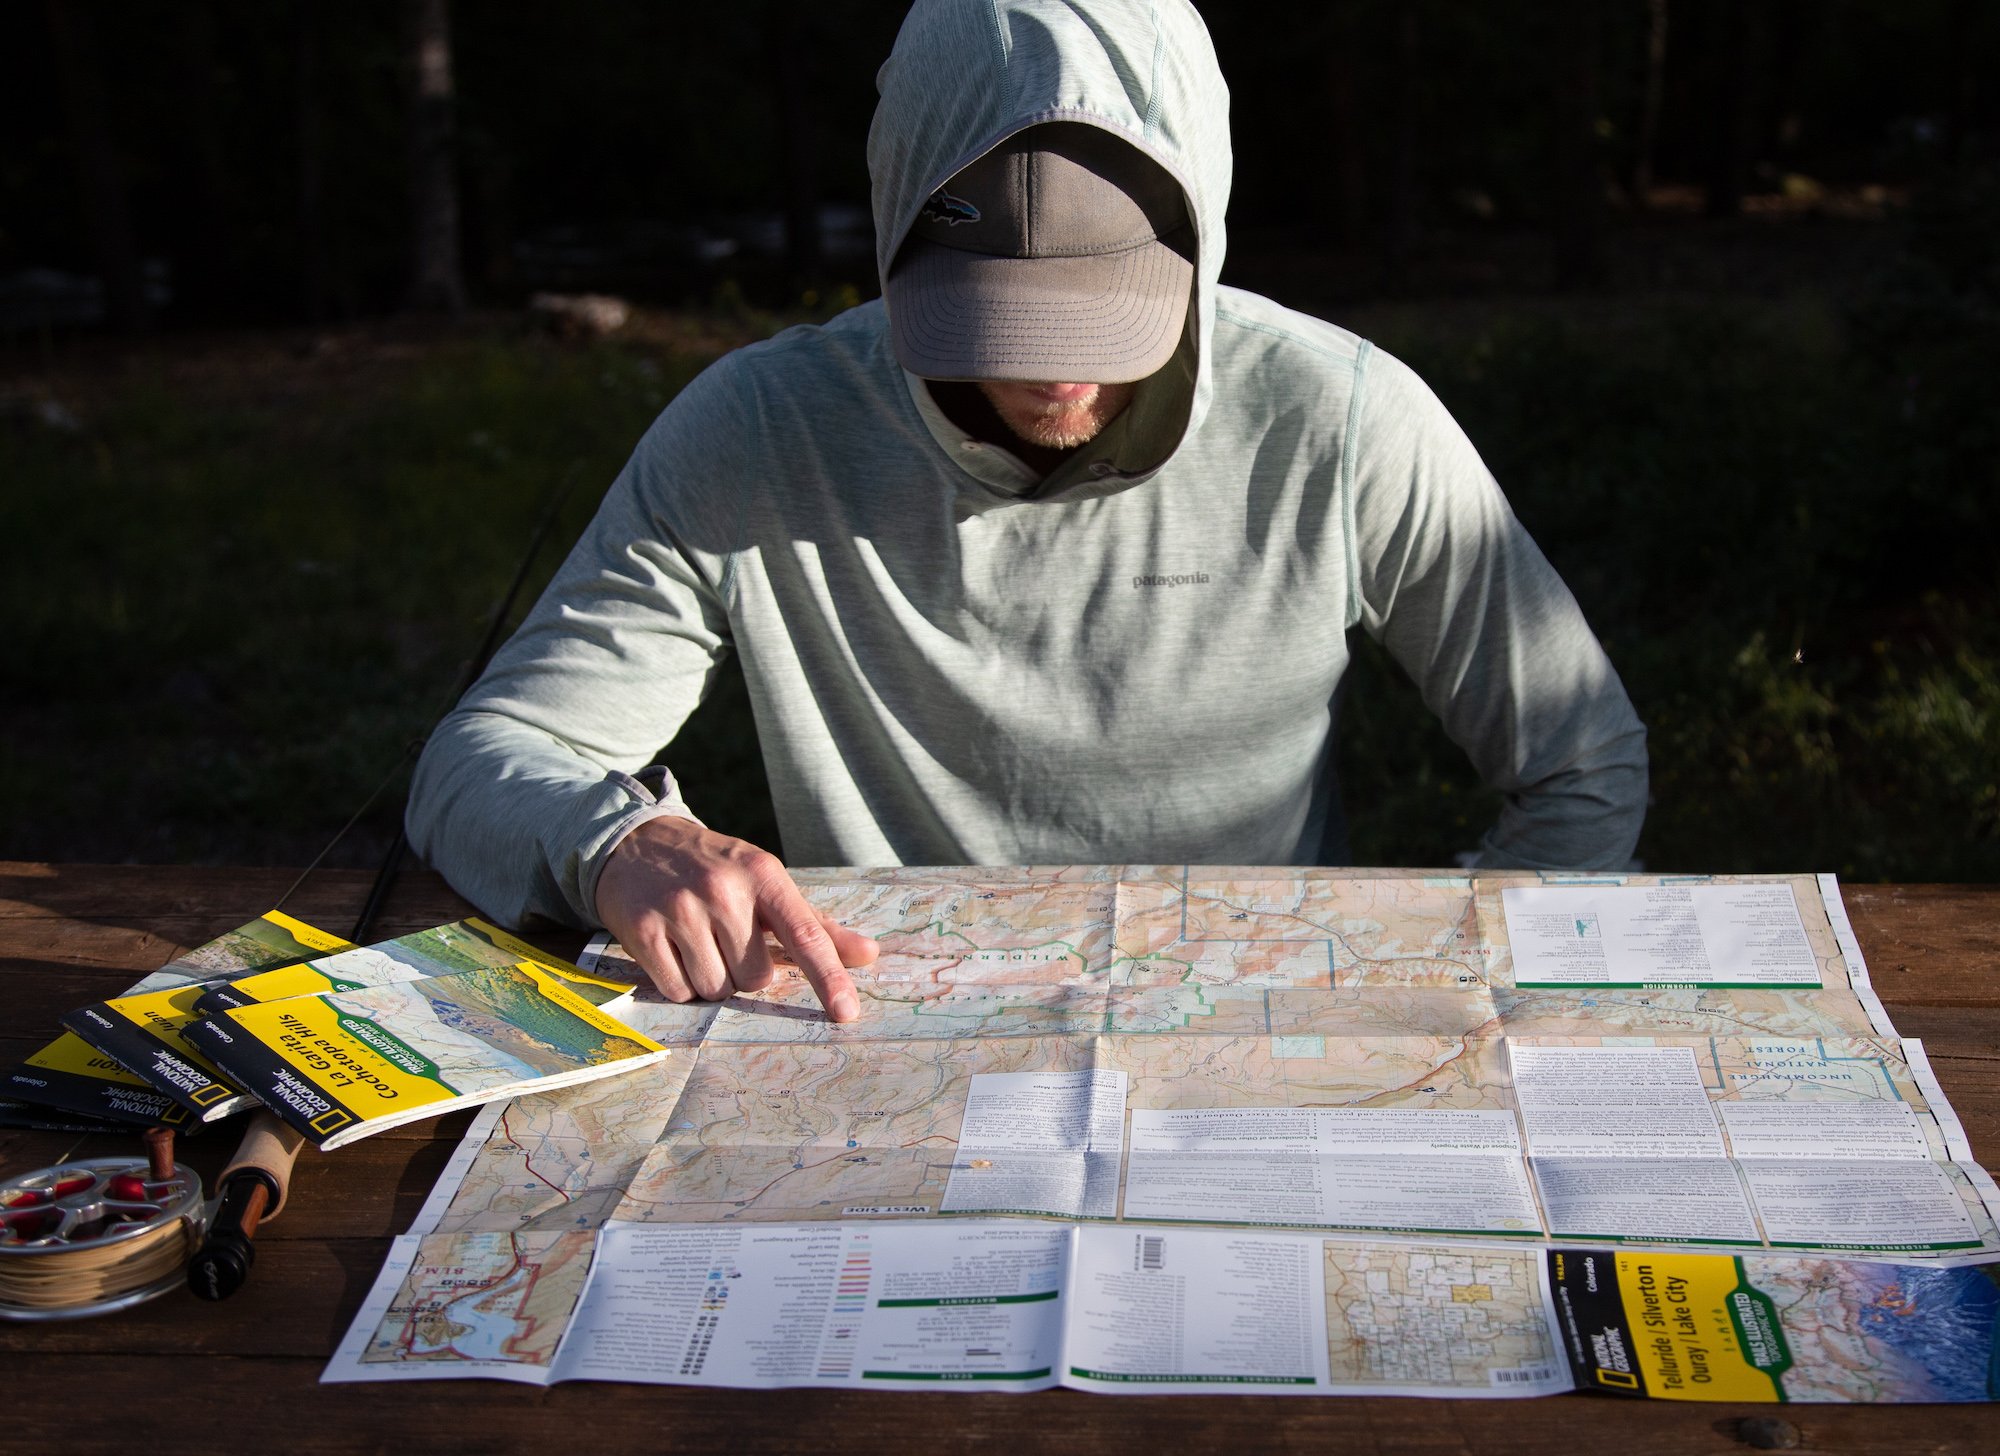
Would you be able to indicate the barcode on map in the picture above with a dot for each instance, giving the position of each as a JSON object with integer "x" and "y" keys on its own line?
{"x": 1524, "y": 1375}
{"x": 1152, "y": 1252}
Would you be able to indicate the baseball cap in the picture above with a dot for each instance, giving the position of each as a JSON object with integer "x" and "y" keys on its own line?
{"x": 1063, "y": 253}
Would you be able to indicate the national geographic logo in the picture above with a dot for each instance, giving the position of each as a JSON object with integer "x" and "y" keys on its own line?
{"x": 1179, "y": 578}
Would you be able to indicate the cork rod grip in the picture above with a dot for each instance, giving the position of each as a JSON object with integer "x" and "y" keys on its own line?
{"x": 271, "y": 1148}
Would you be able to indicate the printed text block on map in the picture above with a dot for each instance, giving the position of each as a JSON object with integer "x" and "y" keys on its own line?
{"x": 1658, "y": 936}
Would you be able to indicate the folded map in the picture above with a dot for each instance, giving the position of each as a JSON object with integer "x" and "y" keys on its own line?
{"x": 339, "y": 1067}
{"x": 123, "y": 1059}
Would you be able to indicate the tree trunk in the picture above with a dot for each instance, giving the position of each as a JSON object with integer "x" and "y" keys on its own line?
{"x": 1733, "y": 107}
{"x": 1578, "y": 194}
{"x": 313, "y": 281}
{"x": 1963, "y": 23}
{"x": 1651, "y": 98}
{"x": 100, "y": 173}
{"x": 1342, "y": 209}
{"x": 206, "y": 245}
{"x": 792, "y": 43}
{"x": 437, "y": 282}
{"x": 1399, "y": 192}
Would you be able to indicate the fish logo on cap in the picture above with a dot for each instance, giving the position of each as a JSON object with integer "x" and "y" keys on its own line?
{"x": 947, "y": 209}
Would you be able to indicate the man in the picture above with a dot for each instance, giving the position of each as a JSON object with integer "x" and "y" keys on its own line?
{"x": 1047, "y": 558}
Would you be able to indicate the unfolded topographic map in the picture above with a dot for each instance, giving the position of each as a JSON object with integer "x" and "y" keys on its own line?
{"x": 1206, "y": 988}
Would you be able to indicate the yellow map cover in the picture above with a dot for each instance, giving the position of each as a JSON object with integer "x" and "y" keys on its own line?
{"x": 443, "y": 950}
{"x": 142, "y": 1032}
{"x": 342, "y": 1066}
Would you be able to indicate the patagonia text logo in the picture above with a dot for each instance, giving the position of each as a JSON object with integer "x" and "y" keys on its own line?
{"x": 1179, "y": 578}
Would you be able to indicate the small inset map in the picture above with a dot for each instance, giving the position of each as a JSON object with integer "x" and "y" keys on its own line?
{"x": 1437, "y": 1318}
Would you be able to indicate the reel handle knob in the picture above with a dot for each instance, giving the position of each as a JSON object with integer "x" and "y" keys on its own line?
{"x": 226, "y": 1256}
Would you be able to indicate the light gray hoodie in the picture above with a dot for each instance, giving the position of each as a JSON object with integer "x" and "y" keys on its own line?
{"x": 955, "y": 661}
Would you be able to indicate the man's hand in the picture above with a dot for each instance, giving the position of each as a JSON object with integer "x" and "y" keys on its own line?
{"x": 692, "y": 907}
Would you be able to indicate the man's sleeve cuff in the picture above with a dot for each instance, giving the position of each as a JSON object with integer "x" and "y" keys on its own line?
{"x": 649, "y": 794}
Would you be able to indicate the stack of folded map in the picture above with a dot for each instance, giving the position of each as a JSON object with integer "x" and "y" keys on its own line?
{"x": 339, "y": 1041}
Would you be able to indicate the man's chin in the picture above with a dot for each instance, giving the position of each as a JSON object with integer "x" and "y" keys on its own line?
{"x": 1064, "y": 430}
{"x": 1059, "y": 426}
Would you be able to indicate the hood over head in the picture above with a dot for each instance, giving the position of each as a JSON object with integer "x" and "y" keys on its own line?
{"x": 965, "y": 75}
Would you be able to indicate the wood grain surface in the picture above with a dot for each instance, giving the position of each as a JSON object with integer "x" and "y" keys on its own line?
{"x": 181, "y": 1375}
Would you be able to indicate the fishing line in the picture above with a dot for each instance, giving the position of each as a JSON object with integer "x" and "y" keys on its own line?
{"x": 86, "y": 1237}
{"x": 392, "y": 861}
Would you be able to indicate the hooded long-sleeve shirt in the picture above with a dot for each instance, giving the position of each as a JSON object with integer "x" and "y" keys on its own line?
{"x": 954, "y": 660}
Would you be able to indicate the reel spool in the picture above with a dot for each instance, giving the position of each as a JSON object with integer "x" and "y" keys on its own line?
{"x": 93, "y": 1236}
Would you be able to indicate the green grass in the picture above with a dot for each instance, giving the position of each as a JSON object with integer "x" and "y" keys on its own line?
{"x": 1782, "y": 533}
{"x": 245, "y": 587}
{"x": 249, "y": 582}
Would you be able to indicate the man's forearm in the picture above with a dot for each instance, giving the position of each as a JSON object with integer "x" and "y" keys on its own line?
{"x": 518, "y": 822}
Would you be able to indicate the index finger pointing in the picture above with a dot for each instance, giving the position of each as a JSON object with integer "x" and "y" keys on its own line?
{"x": 797, "y": 926}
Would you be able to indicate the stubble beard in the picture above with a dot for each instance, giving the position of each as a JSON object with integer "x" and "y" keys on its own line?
{"x": 1058, "y": 424}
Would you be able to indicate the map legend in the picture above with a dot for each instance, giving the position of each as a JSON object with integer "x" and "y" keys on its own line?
{"x": 850, "y": 1305}
{"x": 714, "y": 1299}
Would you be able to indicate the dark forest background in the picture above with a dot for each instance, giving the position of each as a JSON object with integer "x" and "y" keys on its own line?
{"x": 283, "y": 391}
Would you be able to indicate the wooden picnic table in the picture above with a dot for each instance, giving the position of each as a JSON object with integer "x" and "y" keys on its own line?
{"x": 179, "y": 1374}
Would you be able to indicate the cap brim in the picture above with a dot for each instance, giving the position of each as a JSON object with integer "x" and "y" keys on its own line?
{"x": 1107, "y": 318}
